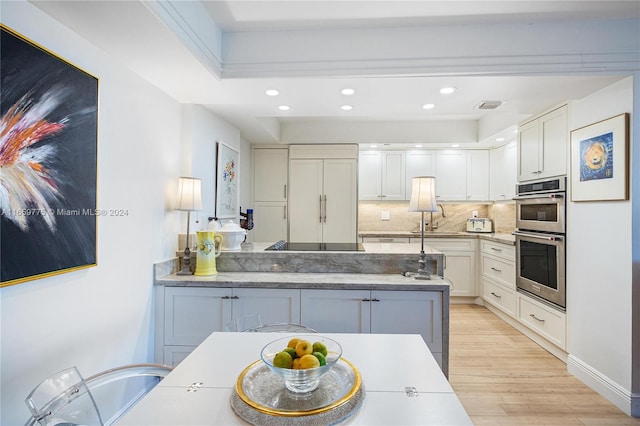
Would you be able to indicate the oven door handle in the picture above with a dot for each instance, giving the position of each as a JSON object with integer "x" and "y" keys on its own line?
{"x": 529, "y": 197}
{"x": 539, "y": 236}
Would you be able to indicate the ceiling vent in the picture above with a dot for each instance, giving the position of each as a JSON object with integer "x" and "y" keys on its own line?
{"x": 489, "y": 104}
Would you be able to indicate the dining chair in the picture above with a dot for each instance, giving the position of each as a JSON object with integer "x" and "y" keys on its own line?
{"x": 281, "y": 328}
{"x": 67, "y": 399}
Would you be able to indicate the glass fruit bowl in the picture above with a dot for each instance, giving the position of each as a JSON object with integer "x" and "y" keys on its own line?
{"x": 305, "y": 377}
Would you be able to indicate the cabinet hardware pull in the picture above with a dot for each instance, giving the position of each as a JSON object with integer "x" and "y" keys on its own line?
{"x": 285, "y": 191}
{"x": 234, "y": 297}
{"x": 285, "y": 212}
{"x": 225, "y": 297}
{"x": 375, "y": 300}
{"x": 495, "y": 249}
{"x": 496, "y": 295}
{"x": 320, "y": 208}
{"x": 325, "y": 208}
{"x": 536, "y": 318}
{"x": 496, "y": 269}
{"x": 366, "y": 300}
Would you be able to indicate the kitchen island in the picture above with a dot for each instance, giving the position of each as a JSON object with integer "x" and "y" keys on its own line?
{"x": 327, "y": 291}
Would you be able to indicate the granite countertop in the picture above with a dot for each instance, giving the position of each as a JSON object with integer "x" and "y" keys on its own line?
{"x": 331, "y": 281}
{"x": 496, "y": 237}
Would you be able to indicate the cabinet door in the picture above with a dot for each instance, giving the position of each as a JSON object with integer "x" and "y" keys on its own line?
{"x": 459, "y": 268}
{"x": 340, "y": 199}
{"x": 305, "y": 192}
{"x": 369, "y": 175}
{"x": 191, "y": 314}
{"x": 393, "y": 175}
{"x": 553, "y": 144}
{"x": 408, "y": 312}
{"x": 451, "y": 176}
{"x": 270, "y": 174}
{"x": 418, "y": 163}
{"x": 270, "y": 219}
{"x": 478, "y": 175}
{"x": 528, "y": 162}
{"x": 336, "y": 311}
{"x": 503, "y": 172}
{"x": 275, "y": 305}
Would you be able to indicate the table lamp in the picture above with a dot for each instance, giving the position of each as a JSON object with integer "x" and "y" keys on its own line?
{"x": 423, "y": 199}
{"x": 189, "y": 199}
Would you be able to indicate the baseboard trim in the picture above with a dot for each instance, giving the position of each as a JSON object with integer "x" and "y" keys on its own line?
{"x": 628, "y": 402}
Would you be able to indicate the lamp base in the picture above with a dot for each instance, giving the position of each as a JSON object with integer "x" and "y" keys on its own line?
{"x": 186, "y": 263}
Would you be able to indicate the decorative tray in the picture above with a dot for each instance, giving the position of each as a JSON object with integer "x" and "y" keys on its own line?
{"x": 260, "y": 397}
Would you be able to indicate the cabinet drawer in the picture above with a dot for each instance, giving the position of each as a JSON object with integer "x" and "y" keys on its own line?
{"x": 499, "y": 296}
{"x": 546, "y": 321}
{"x": 504, "y": 251}
{"x": 500, "y": 270}
{"x": 451, "y": 244}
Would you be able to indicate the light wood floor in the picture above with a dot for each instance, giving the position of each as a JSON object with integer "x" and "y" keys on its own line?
{"x": 504, "y": 378}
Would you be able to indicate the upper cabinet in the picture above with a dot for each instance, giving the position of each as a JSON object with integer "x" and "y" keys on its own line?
{"x": 381, "y": 175}
{"x": 478, "y": 175}
{"x": 504, "y": 172}
{"x": 542, "y": 146}
{"x": 270, "y": 208}
{"x": 451, "y": 176}
{"x": 418, "y": 163}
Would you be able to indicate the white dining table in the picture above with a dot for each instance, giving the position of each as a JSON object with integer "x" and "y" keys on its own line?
{"x": 403, "y": 383}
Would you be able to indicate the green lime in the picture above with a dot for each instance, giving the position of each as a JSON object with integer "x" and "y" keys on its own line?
{"x": 282, "y": 360}
{"x": 291, "y": 352}
{"x": 320, "y": 357}
{"x": 320, "y": 347}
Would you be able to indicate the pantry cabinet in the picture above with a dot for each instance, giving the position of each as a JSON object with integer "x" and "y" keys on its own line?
{"x": 382, "y": 175}
{"x": 270, "y": 193}
{"x": 323, "y": 200}
{"x": 543, "y": 145}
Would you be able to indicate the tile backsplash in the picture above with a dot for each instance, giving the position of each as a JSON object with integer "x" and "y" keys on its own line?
{"x": 455, "y": 220}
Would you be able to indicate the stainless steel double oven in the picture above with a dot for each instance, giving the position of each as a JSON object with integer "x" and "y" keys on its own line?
{"x": 540, "y": 240}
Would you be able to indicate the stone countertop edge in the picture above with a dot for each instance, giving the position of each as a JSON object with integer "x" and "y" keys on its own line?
{"x": 328, "y": 281}
{"x": 497, "y": 237}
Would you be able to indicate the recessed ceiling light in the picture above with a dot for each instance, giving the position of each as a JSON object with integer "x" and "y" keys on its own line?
{"x": 272, "y": 92}
{"x": 346, "y": 107}
{"x": 447, "y": 90}
{"x": 455, "y": 145}
{"x": 284, "y": 107}
{"x": 428, "y": 106}
{"x": 374, "y": 146}
{"x": 347, "y": 91}
{"x": 499, "y": 139}
{"x": 418, "y": 146}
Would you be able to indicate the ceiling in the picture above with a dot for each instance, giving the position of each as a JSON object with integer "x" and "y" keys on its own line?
{"x": 382, "y": 106}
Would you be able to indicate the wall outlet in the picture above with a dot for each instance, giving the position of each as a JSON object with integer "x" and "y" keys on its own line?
{"x": 385, "y": 215}
{"x": 474, "y": 213}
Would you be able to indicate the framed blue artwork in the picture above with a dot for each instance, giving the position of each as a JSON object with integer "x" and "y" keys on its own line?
{"x": 48, "y": 162}
{"x": 600, "y": 160}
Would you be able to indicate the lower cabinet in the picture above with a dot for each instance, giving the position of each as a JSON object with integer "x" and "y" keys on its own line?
{"x": 376, "y": 311}
{"x": 544, "y": 320}
{"x": 459, "y": 263}
{"x": 189, "y": 314}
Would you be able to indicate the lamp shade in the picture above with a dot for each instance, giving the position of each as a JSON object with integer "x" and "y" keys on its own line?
{"x": 189, "y": 194}
{"x": 423, "y": 194}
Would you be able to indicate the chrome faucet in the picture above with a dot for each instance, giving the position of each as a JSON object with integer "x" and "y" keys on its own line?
{"x": 442, "y": 208}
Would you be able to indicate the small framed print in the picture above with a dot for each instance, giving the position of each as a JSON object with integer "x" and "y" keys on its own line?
{"x": 600, "y": 160}
{"x": 227, "y": 182}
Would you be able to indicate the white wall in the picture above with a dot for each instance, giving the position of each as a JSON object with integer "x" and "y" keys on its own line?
{"x": 102, "y": 316}
{"x": 599, "y": 259}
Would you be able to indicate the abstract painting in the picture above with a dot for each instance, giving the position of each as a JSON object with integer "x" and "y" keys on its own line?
{"x": 48, "y": 162}
{"x": 600, "y": 160}
{"x": 227, "y": 182}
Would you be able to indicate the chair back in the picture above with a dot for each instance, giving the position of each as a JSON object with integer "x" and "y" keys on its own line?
{"x": 66, "y": 398}
{"x": 282, "y": 328}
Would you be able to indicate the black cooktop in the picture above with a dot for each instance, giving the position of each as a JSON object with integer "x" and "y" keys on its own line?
{"x": 285, "y": 246}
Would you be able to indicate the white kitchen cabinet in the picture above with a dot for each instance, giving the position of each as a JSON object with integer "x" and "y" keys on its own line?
{"x": 382, "y": 175}
{"x": 459, "y": 263}
{"x": 190, "y": 314}
{"x": 477, "y": 175}
{"x": 542, "y": 146}
{"x": 323, "y": 202}
{"x": 451, "y": 176}
{"x": 418, "y": 163}
{"x": 270, "y": 221}
{"x": 376, "y": 311}
{"x": 544, "y": 320}
{"x": 499, "y": 275}
{"x": 270, "y": 180}
{"x": 503, "y": 175}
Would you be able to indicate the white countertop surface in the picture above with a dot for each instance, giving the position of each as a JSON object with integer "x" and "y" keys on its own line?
{"x": 387, "y": 364}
